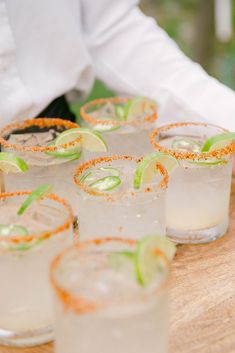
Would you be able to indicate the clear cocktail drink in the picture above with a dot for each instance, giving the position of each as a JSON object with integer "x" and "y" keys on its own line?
{"x": 197, "y": 208}
{"x": 32, "y": 140}
{"x": 28, "y": 243}
{"x": 99, "y": 308}
{"x": 124, "y": 134}
{"x": 108, "y": 203}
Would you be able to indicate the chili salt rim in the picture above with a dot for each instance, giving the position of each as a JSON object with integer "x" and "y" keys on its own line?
{"x": 151, "y": 118}
{"x": 93, "y": 162}
{"x": 76, "y": 303}
{"x": 230, "y": 149}
{"x": 41, "y": 123}
{"x": 44, "y": 235}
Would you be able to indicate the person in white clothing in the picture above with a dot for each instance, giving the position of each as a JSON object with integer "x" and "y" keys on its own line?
{"x": 49, "y": 48}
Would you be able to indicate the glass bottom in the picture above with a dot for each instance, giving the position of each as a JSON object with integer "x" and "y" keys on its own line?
{"x": 197, "y": 236}
{"x": 26, "y": 338}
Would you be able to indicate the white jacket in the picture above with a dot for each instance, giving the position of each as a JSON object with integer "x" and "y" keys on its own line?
{"x": 50, "y": 47}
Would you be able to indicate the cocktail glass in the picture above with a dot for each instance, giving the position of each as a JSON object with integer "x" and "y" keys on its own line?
{"x": 197, "y": 206}
{"x": 28, "y": 243}
{"x": 122, "y": 136}
{"x": 120, "y": 210}
{"x": 32, "y": 141}
{"x": 99, "y": 308}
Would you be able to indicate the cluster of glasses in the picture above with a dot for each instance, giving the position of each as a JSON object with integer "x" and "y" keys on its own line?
{"x": 92, "y": 272}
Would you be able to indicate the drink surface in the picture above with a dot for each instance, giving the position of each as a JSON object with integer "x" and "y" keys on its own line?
{"x": 36, "y": 139}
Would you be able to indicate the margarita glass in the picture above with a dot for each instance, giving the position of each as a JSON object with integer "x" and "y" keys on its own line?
{"x": 108, "y": 203}
{"x": 99, "y": 308}
{"x": 124, "y": 123}
{"x": 32, "y": 140}
{"x": 28, "y": 243}
{"x": 197, "y": 207}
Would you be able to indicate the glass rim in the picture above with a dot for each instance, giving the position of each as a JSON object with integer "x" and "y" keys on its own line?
{"x": 16, "y": 239}
{"x": 41, "y": 123}
{"x": 150, "y": 118}
{"x": 230, "y": 149}
{"x": 112, "y": 197}
{"x": 75, "y": 302}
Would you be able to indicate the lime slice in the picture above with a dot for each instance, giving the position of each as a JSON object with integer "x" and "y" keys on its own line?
{"x": 91, "y": 140}
{"x": 36, "y": 194}
{"x": 148, "y": 263}
{"x": 106, "y": 184}
{"x": 85, "y": 177}
{"x": 106, "y": 127}
{"x": 9, "y": 163}
{"x": 138, "y": 106}
{"x": 218, "y": 141}
{"x": 12, "y": 229}
{"x": 146, "y": 169}
{"x": 186, "y": 144}
{"x": 73, "y": 152}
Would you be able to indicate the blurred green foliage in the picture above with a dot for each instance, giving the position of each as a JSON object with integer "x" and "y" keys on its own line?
{"x": 179, "y": 19}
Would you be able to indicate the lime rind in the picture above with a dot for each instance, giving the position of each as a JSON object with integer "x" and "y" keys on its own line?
{"x": 91, "y": 140}
{"x": 218, "y": 141}
{"x": 107, "y": 183}
{"x": 36, "y": 194}
{"x": 146, "y": 169}
{"x": 11, "y": 163}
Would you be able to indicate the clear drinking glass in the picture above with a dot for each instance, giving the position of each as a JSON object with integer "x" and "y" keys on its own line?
{"x": 121, "y": 136}
{"x": 122, "y": 211}
{"x": 32, "y": 141}
{"x": 197, "y": 206}
{"x": 27, "y": 247}
{"x": 100, "y": 309}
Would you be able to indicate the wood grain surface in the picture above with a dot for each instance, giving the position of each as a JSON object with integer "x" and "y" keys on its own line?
{"x": 202, "y": 298}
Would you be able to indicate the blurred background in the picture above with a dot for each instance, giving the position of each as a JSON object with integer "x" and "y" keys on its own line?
{"x": 204, "y": 30}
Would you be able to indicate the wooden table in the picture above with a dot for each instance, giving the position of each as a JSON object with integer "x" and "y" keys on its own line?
{"x": 202, "y": 298}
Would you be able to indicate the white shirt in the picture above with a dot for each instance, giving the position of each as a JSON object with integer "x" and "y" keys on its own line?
{"x": 50, "y": 47}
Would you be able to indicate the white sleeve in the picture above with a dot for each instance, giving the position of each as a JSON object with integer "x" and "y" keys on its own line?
{"x": 132, "y": 55}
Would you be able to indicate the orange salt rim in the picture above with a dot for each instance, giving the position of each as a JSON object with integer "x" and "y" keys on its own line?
{"x": 77, "y": 303}
{"x": 230, "y": 149}
{"x": 110, "y": 197}
{"x": 150, "y": 118}
{"x": 41, "y": 123}
{"x": 44, "y": 235}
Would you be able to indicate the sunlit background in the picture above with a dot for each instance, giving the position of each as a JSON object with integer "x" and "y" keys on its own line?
{"x": 204, "y": 30}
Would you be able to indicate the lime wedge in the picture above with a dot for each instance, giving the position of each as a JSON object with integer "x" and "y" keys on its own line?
{"x": 186, "y": 144}
{"x": 36, "y": 194}
{"x": 72, "y": 153}
{"x": 218, "y": 141}
{"x": 148, "y": 263}
{"x": 106, "y": 127}
{"x": 106, "y": 184}
{"x": 146, "y": 169}
{"x": 12, "y": 229}
{"x": 91, "y": 140}
{"x": 138, "y": 106}
{"x": 9, "y": 163}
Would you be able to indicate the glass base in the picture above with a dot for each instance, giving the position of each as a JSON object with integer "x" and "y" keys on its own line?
{"x": 197, "y": 236}
{"x": 26, "y": 338}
